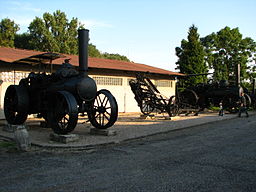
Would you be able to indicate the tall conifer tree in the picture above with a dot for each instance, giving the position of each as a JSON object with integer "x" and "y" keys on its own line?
{"x": 191, "y": 57}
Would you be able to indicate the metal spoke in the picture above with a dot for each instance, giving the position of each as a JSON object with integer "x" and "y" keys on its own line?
{"x": 108, "y": 113}
{"x": 104, "y": 105}
{"x": 97, "y": 101}
{"x": 148, "y": 108}
{"x": 100, "y": 101}
{"x": 106, "y": 116}
{"x": 97, "y": 115}
{"x": 100, "y": 118}
{"x": 66, "y": 120}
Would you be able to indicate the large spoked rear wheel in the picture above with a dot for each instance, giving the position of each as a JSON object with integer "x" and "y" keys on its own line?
{"x": 63, "y": 115}
{"x": 189, "y": 96}
{"x": 104, "y": 111}
{"x": 16, "y": 103}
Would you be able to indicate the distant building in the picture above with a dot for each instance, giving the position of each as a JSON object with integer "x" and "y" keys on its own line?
{"x": 113, "y": 75}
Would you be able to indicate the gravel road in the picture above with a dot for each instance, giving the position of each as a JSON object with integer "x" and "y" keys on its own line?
{"x": 214, "y": 157}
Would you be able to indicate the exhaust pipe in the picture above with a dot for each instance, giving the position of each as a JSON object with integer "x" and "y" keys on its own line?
{"x": 83, "y": 39}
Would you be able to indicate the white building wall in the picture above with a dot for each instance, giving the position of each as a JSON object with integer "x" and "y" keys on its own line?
{"x": 3, "y": 88}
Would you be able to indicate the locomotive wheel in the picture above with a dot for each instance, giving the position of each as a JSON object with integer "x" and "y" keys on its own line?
{"x": 146, "y": 107}
{"x": 189, "y": 97}
{"x": 16, "y": 103}
{"x": 64, "y": 113}
{"x": 104, "y": 110}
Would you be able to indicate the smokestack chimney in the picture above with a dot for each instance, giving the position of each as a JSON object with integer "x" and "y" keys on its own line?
{"x": 83, "y": 39}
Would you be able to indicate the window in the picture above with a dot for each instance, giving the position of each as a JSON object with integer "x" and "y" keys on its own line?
{"x": 163, "y": 83}
{"x": 108, "y": 80}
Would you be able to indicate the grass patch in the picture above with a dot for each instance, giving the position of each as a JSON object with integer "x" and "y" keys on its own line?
{"x": 7, "y": 144}
{"x": 213, "y": 108}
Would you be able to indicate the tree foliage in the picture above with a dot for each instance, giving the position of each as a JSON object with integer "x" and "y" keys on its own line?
{"x": 115, "y": 57}
{"x": 225, "y": 50}
{"x": 191, "y": 57}
{"x": 54, "y": 33}
{"x": 8, "y": 30}
{"x": 22, "y": 41}
{"x": 93, "y": 51}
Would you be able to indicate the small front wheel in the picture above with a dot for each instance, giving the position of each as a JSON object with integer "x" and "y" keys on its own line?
{"x": 104, "y": 110}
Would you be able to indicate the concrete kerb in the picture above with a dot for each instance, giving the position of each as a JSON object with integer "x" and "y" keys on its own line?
{"x": 124, "y": 132}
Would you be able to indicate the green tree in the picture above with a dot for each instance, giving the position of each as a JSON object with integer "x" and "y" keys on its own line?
{"x": 93, "y": 51}
{"x": 115, "y": 57}
{"x": 225, "y": 50}
{"x": 22, "y": 41}
{"x": 192, "y": 57}
{"x": 8, "y": 30}
{"x": 54, "y": 33}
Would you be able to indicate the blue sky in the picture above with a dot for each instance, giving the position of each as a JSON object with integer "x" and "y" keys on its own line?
{"x": 146, "y": 31}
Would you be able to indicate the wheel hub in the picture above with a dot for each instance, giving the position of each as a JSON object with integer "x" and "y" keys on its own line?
{"x": 101, "y": 109}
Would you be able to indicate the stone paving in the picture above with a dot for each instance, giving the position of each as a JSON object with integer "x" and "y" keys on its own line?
{"x": 129, "y": 126}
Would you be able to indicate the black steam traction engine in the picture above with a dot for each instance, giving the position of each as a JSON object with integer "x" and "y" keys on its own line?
{"x": 61, "y": 96}
{"x": 214, "y": 93}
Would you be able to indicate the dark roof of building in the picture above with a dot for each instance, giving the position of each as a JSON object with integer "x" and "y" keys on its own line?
{"x": 13, "y": 55}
